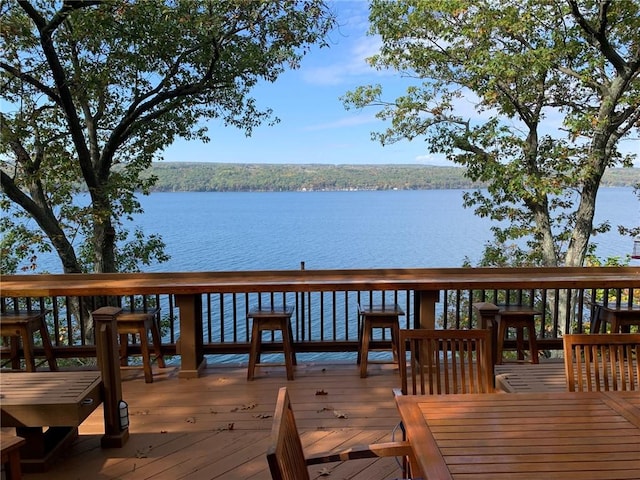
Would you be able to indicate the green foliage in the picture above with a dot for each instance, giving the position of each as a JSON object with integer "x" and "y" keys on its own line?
{"x": 93, "y": 91}
{"x": 522, "y": 65}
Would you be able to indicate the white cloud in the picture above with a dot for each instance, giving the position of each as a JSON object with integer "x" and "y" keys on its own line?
{"x": 350, "y": 121}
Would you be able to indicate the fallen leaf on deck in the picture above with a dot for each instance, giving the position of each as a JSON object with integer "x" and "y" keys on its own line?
{"x": 325, "y": 472}
{"x": 228, "y": 427}
{"x": 142, "y": 453}
{"x": 262, "y": 415}
{"x": 211, "y": 410}
{"x": 245, "y": 407}
{"x": 324, "y": 409}
{"x": 321, "y": 392}
{"x": 340, "y": 414}
{"x": 191, "y": 420}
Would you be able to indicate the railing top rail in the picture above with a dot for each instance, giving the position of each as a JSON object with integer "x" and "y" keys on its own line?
{"x": 318, "y": 280}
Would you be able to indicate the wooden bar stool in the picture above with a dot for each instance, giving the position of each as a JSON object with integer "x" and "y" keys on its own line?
{"x": 503, "y": 317}
{"x": 621, "y": 317}
{"x": 518, "y": 317}
{"x": 271, "y": 319}
{"x": 141, "y": 322}
{"x": 377, "y": 316}
{"x": 19, "y": 327}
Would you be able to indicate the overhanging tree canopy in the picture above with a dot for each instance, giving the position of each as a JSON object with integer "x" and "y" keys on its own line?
{"x": 555, "y": 85}
{"x": 93, "y": 91}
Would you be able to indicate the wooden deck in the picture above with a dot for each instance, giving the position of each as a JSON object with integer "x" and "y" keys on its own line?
{"x": 218, "y": 425}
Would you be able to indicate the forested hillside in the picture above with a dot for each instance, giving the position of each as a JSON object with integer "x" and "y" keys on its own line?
{"x": 227, "y": 177}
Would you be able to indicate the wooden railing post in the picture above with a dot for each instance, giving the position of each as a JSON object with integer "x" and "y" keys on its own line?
{"x": 115, "y": 434}
{"x": 191, "y": 346}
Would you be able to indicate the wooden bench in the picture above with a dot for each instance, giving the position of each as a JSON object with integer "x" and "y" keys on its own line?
{"x": 10, "y": 446}
{"x": 61, "y": 401}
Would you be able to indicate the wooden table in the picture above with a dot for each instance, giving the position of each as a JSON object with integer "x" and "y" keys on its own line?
{"x": 568, "y": 435}
{"x": 46, "y": 408}
{"x": 60, "y": 401}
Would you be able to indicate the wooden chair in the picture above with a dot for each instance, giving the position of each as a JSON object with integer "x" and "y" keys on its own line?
{"x": 602, "y": 361}
{"x": 445, "y": 361}
{"x": 285, "y": 454}
{"x": 140, "y": 318}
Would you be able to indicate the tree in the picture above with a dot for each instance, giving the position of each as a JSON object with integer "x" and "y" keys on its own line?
{"x": 524, "y": 64}
{"x": 93, "y": 91}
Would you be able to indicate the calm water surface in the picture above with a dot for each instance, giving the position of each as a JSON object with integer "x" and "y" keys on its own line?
{"x": 263, "y": 231}
{"x": 245, "y": 231}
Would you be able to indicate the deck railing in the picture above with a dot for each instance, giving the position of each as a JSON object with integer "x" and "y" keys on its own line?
{"x": 325, "y": 321}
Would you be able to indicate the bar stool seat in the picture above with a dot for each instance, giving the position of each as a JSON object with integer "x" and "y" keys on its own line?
{"x": 271, "y": 319}
{"x": 377, "y": 316}
{"x": 19, "y": 327}
{"x": 141, "y": 322}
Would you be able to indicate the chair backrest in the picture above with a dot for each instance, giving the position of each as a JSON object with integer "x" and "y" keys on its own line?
{"x": 445, "y": 361}
{"x": 602, "y": 361}
{"x": 285, "y": 454}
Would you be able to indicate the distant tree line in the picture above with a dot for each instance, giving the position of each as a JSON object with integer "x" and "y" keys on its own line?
{"x": 235, "y": 177}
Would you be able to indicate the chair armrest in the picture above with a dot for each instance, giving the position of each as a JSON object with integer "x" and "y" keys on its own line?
{"x": 388, "y": 449}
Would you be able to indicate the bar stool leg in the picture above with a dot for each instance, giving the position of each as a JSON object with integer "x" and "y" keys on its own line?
{"x": 157, "y": 344}
{"x": 502, "y": 331}
{"x": 533, "y": 344}
{"x": 256, "y": 345}
{"x": 289, "y": 357}
{"x": 27, "y": 346}
{"x": 520, "y": 342}
{"x": 364, "y": 346}
{"x": 46, "y": 344}
{"x": 146, "y": 355}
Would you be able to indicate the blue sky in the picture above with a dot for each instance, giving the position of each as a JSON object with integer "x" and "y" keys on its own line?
{"x": 314, "y": 125}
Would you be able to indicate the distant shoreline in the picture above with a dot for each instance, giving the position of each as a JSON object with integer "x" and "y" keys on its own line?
{"x": 237, "y": 177}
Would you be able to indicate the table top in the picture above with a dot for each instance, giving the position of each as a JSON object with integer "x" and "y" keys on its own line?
{"x": 48, "y": 398}
{"x": 524, "y": 435}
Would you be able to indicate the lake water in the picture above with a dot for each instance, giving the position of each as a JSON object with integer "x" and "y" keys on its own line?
{"x": 326, "y": 230}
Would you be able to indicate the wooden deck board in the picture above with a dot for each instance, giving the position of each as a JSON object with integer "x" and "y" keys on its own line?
{"x": 218, "y": 426}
